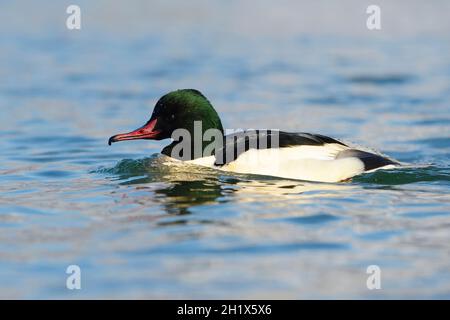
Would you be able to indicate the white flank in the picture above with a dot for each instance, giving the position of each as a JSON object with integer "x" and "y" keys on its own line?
{"x": 312, "y": 163}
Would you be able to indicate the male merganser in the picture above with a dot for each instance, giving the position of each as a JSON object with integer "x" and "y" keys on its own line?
{"x": 302, "y": 156}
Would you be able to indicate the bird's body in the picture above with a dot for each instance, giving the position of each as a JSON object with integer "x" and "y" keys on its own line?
{"x": 303, "y": 156}
{"x": 322, "y": 161}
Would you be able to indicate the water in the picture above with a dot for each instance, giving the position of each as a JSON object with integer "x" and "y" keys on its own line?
{"x": 139, "y": 228}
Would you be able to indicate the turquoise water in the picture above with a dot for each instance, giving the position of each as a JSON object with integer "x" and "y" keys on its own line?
{"x": 139, "y": 228}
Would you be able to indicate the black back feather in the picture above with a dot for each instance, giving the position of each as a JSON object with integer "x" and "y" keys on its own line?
{"x": 237, "y": 143}
{"x": 370, "y": 160}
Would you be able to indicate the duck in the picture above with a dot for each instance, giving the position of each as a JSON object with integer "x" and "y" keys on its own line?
{"x": 188, "y": 118}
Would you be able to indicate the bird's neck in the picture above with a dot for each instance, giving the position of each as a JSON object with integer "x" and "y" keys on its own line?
{"x": 191, "y": 149}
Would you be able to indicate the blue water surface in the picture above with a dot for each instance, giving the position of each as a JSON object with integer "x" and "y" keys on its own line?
{"x": 139, "y": 228}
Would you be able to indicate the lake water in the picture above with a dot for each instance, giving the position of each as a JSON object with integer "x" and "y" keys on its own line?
{"x": 138, "y": 228}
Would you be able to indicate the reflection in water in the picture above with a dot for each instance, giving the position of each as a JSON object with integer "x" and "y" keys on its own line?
{"x": 183, "y": 186}
{"x": 183, "y": 195}
{"x": 180, "y": 187}
{"x": 181, "y": 190}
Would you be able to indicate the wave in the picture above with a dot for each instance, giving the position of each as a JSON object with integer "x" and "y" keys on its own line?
{"x": 159, "y": 168}
{"x": 406, "y": 175}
